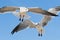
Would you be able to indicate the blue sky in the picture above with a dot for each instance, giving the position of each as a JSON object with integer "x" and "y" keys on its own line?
{"x": 9, "y": 21}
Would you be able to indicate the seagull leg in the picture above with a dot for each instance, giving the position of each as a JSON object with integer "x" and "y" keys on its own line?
{"x": 39, "y": 34}
{"x": 40, "y": 30}
{"x": 20, "y": 18}
{"x": 23, "y": 18}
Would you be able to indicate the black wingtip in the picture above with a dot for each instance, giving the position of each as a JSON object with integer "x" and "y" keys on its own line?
{"x": 52, "y": 14}
{"x": 12, "y": 32}
{"x": 15, "y": 29}
{"x": 56, "y": 15}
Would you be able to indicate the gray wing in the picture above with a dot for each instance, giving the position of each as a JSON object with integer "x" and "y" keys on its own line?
{"x": 45, "y": 20}
{"x": 8, "y": 8}
{"x": 40, "y": 11}
{"x": 20, "y": 27}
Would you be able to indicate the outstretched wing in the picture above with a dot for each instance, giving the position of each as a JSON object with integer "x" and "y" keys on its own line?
{"x": 8, "y": 8}
{"x": 21, "y": 26}
{"x": 45, "y": 20}
{"x": 40, "y": 11}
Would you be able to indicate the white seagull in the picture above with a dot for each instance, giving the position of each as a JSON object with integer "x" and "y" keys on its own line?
{"x": 23, "y": 10}
{"x": 47, "y": 18}
{"x": 27, "y": 23}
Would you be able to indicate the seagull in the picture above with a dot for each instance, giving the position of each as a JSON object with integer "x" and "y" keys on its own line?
{"x": 27, "y": 23}
{"x": 47, "y": 18}
{"x": 23, "y": 10}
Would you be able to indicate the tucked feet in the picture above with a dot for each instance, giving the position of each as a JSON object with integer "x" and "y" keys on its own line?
{"x": 20, "y": 19}
{"x": 40, "y": 35}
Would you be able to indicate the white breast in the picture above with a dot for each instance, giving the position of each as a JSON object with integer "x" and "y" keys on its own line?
{"x": 23, "y": 9}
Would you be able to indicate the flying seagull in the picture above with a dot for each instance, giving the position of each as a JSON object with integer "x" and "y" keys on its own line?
{"x": 47, "y": 18}
{"x": 27, "y": 23}
{"x": 23, "y": 10}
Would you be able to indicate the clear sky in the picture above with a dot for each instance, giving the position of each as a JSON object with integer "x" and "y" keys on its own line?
{"x": 9, "y": 21}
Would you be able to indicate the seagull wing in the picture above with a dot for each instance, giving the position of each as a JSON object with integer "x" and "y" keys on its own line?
{"x": 40, "y": 11}
{"x": 20, "y": 26}
{"x": 8, "y": 8}
{"x": 45, "y": 20}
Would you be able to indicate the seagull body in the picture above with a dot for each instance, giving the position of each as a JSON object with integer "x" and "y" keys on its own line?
{"x": 23, "y": 10}
{"x": 25, "y": 24}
